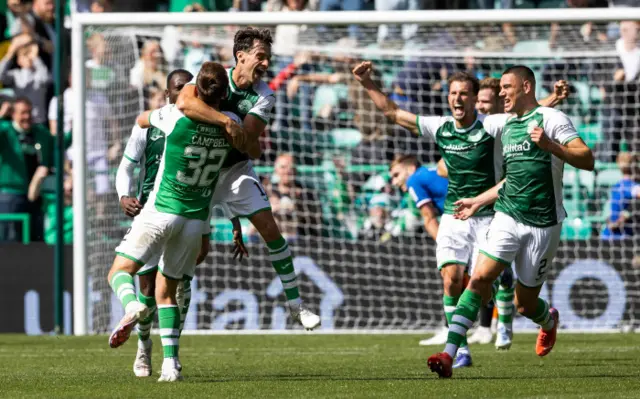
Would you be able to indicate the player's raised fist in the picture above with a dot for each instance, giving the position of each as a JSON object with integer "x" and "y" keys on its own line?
{"x": 539, "y": 138}
{"x": 362, "y": 71}
{"x": 561, "y": 89}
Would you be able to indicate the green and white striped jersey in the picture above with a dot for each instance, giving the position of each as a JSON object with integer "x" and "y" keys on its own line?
{"x": 532, "y": 193}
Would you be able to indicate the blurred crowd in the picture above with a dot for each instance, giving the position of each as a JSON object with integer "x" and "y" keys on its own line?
{"x": 325, "y": 164}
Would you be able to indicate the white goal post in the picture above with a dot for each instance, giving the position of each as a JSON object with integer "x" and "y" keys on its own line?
{"x": 584, "y": 258}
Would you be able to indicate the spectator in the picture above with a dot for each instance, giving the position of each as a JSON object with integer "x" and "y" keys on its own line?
{"x": 31, "y": 78}
{"x": 343, "y": 5}
{"x": 98, "y": 6}
{"x": 99, "y": 75}
{"x": 246, "y": 5}
{"x": 621, "y": 222}
{"x": 295, "y": 207}
{"x": 379, "y": 226}
{"x": 147, "y": 72}
{"x": 26, "y": 152}
{"x": 42, "y": 27}
{"x": 156, "y": 99}
{"x": 287, "y": 37}
{"x": 17, "y": 14}
{"x": 68, "y": 111}
{"x": 628, "y": 51}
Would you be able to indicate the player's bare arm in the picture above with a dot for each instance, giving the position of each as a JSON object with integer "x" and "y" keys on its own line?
{"x": 467, "y": 207}
{"x": 408, "y": 120}
{"x": 194, "y": 108}
{"x": 254, "y": 127}
{"x": 143, "y": 120}
{"x": 441, "y": 169}
{"x": 430, "y": 219}
{"x": 575, "y": 153}
{"x": 560, "y": 93}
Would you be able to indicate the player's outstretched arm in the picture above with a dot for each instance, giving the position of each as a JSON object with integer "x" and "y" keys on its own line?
{"x": 560, "y": 93}
{"x": 441, "y": 169}
{"x": 194, "y": 108}
{"x": 575, "y": 152}
{"x": 430, "y": 219}
{"x": 408, "y": 120}
{"x": 467, "y": 207}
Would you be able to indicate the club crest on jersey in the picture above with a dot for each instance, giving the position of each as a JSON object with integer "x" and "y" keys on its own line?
{"x": 244, "y": 106}
{"x": 475, "y": 135}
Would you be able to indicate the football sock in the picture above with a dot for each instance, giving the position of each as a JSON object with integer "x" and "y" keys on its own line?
{"x": 450, "y": 303}
{"x": 541, "y": 316}
{"x": 282, "y": 261}
{"x": 169, "y": 323}
{"x": 144, "y": 325}
{"x": 122, "y": 284}
{"x": 465, "y": 314}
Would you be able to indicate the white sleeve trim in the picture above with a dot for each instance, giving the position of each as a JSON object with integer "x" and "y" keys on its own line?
{"x": 423, "y": 202}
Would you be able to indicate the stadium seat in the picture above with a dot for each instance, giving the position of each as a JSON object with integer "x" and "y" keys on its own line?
{"x": 608, "y": 177}
{"x": 576, "y": 229}
{"x": 591, "y": 133}
{"x": 345, "y": 138}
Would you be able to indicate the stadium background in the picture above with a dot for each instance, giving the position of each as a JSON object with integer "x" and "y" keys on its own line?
{"x": 367, "y": 261}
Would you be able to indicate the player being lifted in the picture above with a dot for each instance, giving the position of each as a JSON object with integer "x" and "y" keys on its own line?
{"x": 536, "y": 142}
{"x": 489, "y": 103}
{"x": 175, "y": 217}
{"x": 239, "y": 188}
{"x": 467, "y": 142}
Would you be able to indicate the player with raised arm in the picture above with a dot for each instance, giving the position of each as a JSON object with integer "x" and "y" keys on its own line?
{"x": 175, "y": 217}
{"x": 239, "y": 188}
{"x": 536, "y": 142}
{"x": 489, "y": 103}
{"x": 467, "y": 142}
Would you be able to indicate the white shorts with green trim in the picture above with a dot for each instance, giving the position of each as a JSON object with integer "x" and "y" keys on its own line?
{"x": 150, "y": 266}
{"x": 239, "y": 191}
{"x": 177, "y": 238}
{"x": 458, "y": 240}
{"x": 532, "y": 248}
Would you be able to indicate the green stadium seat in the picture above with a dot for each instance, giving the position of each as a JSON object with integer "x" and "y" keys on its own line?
{"x": 576, "y": 229}
{"x": 608, "y": 177}
{"x": 591, "y": 133}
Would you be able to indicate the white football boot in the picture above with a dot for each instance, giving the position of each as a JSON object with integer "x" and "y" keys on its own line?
{"x": 304, "y": 316}
{"x": 142, "y": 364}
{"x": 170, "y": 372}
{"x": 482, "y": 335}
{"x": 121, "y": 333}
{"x": 440, "y": 338}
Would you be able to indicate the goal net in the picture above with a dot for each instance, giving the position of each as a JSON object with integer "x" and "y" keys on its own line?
{"x": 363, "y": 258}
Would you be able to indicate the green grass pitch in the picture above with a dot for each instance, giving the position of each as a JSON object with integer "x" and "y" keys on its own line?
{"x": 320, "y": 366}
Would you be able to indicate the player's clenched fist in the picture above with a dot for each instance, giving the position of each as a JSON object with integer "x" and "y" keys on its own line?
{"x": 131, "y": 206}
{"x": 539, "y": 138}
{"x": 237, "y": 134}
{"x": 362, "y": 71}
{"x": 561, "y": 89}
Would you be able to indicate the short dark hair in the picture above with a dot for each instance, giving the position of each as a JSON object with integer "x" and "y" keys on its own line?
{"x": 246, "y": 37}
{"x": 466, "y": 77}
{"x": 491, "y": 83}
{"x": 523, "y": 72}
{"x": 405, "y": 160}
{"x": 23, "y": 100}
{"x": 184, "y": 72}
{"x": 212, "y": 83}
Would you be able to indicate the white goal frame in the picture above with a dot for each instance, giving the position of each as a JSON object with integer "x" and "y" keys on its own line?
{"x": 81, "y": 20}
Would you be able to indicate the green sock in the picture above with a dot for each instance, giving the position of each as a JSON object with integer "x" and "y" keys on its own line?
{"x": 541, "y": 316}
{"x": 504, "y": 304}
{"x": 169, "y": 322}
{"x": 466, "y": 313}
{"x": 185, "y": 305}
{"x": 450, "y": 303}
{"x": 144, "y": 325}
{"x": 122, "y": 285}
{"x": 280, "y": 257}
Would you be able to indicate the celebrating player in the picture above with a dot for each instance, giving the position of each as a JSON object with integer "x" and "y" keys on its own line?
{"x": 536, "y": 142}
{"x": 239, "y": 188}
{"x": 467, "y": 143}
{"x": 175, "y": 218}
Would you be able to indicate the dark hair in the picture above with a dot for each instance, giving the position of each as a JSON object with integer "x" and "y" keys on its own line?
{"x": 491, "y": 83}
{"x": 405, "y": 160}
{"x": 23, "y": 100}
{"x": 212, "y": 83}
{"x": 466, "y": 77}
{"x": 184, "y": 72}
{"x": 245, "y": 39}
{"x": 523, "y": 72}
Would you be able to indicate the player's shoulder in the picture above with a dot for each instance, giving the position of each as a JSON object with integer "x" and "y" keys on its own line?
{"x": 494, "y": 119}
{"x": 421, "y": 175}
{"x": 550, "y": 112}
{"x": 262, "y": 89}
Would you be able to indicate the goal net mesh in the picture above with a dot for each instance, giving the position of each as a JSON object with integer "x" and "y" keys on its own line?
{"x": 363, "y": 258}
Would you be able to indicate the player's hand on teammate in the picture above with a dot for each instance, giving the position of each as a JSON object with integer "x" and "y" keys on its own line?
{"x": 131, "y": 206}
{"x": 362, "y": 71}
{"x": 204, "y": 249}
{"x": 465, "y": 208}
{"x": 561, "y": 89}
{"x": 237, "y": 133}
{"x": 540, "y": 138}
{"x": 239, "y": 250}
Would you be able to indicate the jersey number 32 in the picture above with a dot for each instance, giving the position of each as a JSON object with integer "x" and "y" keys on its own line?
{"x": 199, "y": 173}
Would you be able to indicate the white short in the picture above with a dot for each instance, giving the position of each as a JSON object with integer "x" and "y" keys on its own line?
{"x": 151, "y": 265}
{"x": 177, "y": 238}
{"x": 239, "y": 191}
{"x": 532, "y": 248}
{"x": 459, "y": 241}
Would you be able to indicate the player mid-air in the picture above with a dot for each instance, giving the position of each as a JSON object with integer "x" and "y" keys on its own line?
{"x": 536, "y": 142}
{"x": 239, "y": 188}
{"x": 489, "y": 103}
{"x": 175, "y": 218}
{"x": 467, "y": 142}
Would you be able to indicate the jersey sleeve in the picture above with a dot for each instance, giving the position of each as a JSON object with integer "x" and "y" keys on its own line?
{"x": 418, "y": 192}
{"x": 493, "y": 124}
{"x": 262, "y": 108}
{"x": 136, "y": 144}
{"x": 165, "y": 118}
{"x": 429, "y": 125}
{"x": 559, "y": 127}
